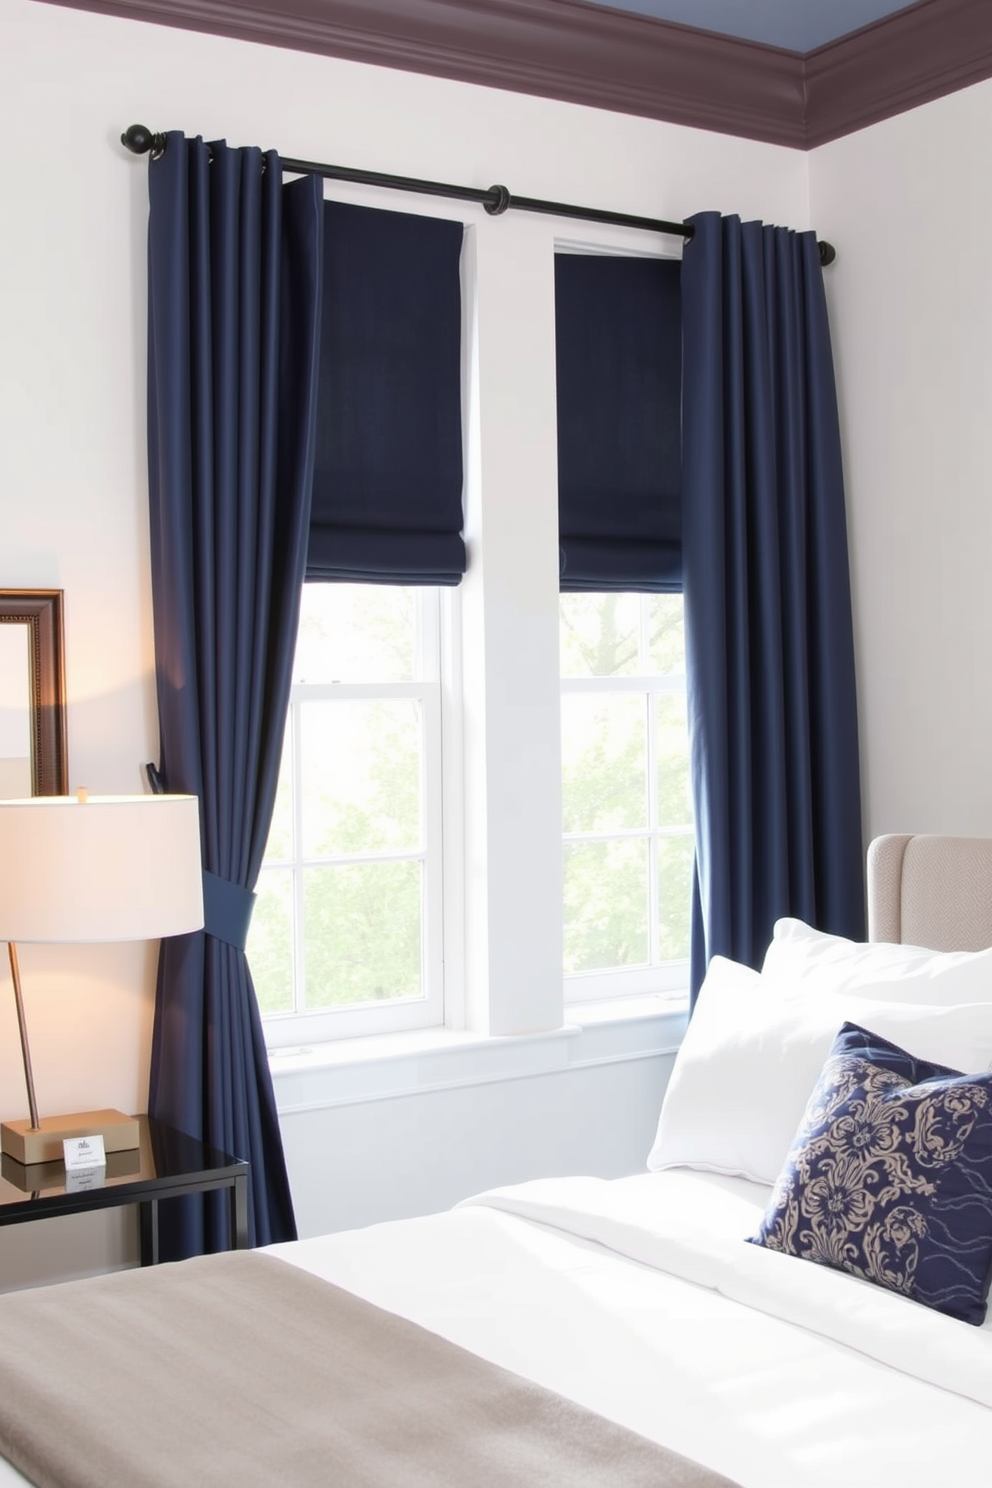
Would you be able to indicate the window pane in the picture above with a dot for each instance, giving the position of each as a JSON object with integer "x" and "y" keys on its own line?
{"x": 361, "y": 926}
{"x": 673, "y": 783}
{"x": 270, "y": 941}
{"x": 606, "y": 900}
{"x": 361, "y": 776}
{"x": 354, "y": 632}
{"x": 675, "y": 856}
{"x": 599, "y": 635}
{"x": 666, "y": 634}
{"x": 604, "y": 762}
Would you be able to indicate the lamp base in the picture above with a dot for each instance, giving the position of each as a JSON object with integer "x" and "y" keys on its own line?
{"x": 119, "y": 1132}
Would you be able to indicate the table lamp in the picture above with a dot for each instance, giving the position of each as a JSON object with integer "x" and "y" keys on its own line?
{"x": 91, "y": 868}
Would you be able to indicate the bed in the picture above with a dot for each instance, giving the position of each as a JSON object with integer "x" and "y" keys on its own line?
{"x": 638, "y": 1302}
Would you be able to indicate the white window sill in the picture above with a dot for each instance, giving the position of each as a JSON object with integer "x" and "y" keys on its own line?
{"x": 387, "y": 1066}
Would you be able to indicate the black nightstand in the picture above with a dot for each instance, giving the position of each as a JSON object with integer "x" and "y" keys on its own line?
{"x": 166, "y": 1165}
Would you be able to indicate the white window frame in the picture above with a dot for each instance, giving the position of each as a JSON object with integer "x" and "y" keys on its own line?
{"x": 655, "y": 976}
{"x": 436, "y": 689}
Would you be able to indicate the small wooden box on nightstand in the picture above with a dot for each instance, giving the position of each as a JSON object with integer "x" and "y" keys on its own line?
{"x": 44, "y": 1144}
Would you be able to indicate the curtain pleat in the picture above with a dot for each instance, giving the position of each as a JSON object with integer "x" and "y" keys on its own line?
{"x": 769, "y": 636}
{"x": 234, "y": 323}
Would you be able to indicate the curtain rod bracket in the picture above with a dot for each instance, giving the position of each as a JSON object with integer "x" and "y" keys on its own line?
{"x": 501, "y": 199}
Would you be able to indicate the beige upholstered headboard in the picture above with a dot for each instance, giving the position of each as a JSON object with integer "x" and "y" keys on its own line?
{"x": 931, "y": 891}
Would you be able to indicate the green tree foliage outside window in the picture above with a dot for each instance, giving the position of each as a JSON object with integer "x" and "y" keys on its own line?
{"x": 627, "y": 813}
{"x": 342, "y": 886}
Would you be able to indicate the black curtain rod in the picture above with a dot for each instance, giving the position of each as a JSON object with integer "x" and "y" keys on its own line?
{"x": 496, "y": 200}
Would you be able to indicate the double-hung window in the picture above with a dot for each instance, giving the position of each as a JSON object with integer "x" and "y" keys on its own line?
{"x": 355, "y": 927}
{"x": 347, "y": 925}
{"x": 626, "y": 802}
{"x": 627, "y": 816}
{"x": 346, "y": 937}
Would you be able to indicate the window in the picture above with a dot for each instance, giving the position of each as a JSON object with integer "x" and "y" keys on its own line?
{"x": 626, "y": 801}
{"x": 346, "y": 936}
{"x": 425, "y": 720}
{"x": 348, "y": 918}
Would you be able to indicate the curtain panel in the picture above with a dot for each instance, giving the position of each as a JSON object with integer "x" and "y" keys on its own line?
{"x": 234, "y": 317}
{"x": 769, "y": 637}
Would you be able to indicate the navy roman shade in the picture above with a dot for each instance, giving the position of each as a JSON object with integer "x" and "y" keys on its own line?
{"x": 387, "y": 490}
{"x": 619, "y": 359}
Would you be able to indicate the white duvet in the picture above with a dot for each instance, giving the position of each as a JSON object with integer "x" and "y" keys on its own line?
{"x": 640, "y": 1299}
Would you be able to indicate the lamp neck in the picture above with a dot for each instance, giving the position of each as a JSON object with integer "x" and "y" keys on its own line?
{"x": 23, "y": 1030}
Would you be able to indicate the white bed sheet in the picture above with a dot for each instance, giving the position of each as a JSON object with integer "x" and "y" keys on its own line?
{"x": 637, "y": 1325}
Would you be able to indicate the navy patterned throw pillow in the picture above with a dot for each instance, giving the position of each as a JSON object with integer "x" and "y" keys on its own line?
{"x": 890, "y": 1176}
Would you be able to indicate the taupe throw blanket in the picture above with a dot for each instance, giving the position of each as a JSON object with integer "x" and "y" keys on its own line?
{"x": 240, "y": 1370}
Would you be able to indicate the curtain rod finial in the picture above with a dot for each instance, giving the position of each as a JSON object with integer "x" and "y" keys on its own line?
{"x": 827, "y": 252}
{"x": 139, "y": 139}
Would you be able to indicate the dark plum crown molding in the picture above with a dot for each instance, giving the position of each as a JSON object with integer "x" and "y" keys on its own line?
{"x": 932, "y": 49}
{"x": 631, "y": 64}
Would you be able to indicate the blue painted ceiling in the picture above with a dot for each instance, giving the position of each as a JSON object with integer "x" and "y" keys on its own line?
{"x": 798, "y": 25}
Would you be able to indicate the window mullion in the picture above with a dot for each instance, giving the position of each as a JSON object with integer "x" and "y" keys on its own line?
{"x": 651, "y": 762}
{"x": 432, "y": 863}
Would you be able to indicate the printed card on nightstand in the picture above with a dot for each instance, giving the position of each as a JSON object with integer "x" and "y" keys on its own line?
{"x": 84, "y": 1152}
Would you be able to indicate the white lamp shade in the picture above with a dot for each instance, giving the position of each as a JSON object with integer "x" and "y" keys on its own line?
{"x": 103, "y": 869}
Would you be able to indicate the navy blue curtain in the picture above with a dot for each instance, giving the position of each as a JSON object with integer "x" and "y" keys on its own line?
{"x": 769, "y": 638}
{"x": 387, "y": 489}
{"x": 619, "y": 368}
{"x": 234, "y": 317}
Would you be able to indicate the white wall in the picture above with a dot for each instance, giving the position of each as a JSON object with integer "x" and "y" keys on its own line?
{"x": 909, "y": 206}
{"x": 73, "y": 494}
{"x": 414, "y": 1133}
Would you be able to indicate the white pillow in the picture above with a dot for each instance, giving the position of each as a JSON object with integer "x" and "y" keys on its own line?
{"x": 799, "y": 954}
{"x": 752, "y": 1054}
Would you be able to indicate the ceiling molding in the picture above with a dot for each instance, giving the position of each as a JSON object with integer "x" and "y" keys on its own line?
{"x": 617, "y": 60}
{"x": 907, "y": 59}
{"x": 562, "y": 49}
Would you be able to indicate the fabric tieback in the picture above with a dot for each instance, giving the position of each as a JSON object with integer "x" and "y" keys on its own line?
{"x": 227, "y": 909}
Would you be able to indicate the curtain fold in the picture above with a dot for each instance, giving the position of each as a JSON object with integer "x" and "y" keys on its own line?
{"x": 769, "y": 636}
{"x": 234, "y": 323}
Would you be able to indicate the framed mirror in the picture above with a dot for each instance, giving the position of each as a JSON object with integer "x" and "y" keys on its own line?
{"x": 33, "y": 753}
